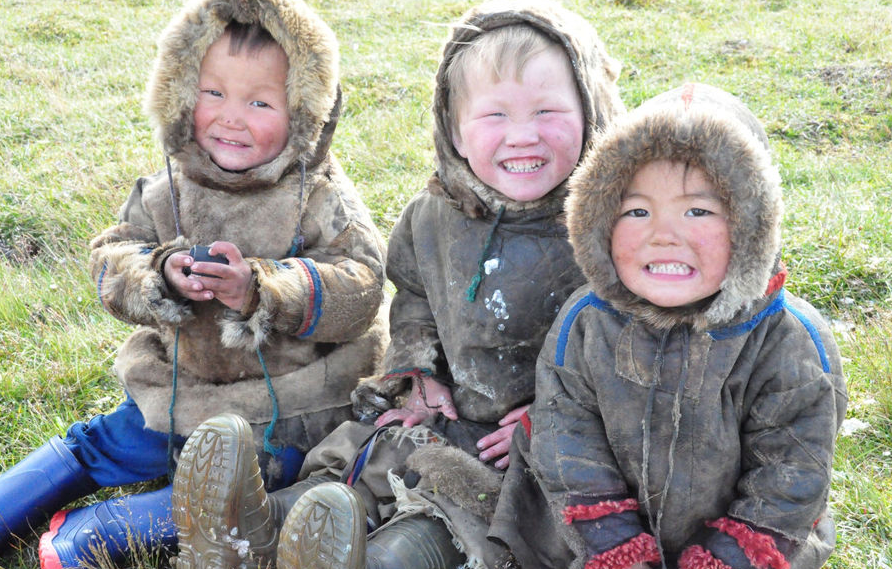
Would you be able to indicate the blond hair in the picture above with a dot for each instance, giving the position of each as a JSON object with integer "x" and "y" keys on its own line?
{"x": 504, "y": 52}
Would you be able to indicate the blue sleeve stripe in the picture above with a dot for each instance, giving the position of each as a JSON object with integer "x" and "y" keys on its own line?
{"x": 317, "y": 296}
{"x": 744, "y": 327}
{"x": 591, "y": 299}
{"x": 99, "y": 284}
{"x": 815, "y": 336}
{"x": 780, "y": 303}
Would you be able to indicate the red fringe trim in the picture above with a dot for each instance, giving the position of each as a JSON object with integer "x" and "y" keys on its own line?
{"x": 759, "y": 548}
{"x": 599, "y": 510}
{"x": 527, "y": 424}
{"x": 695, "y": 557}
{"x": 687, "y": 95}
{"x": 642, "y": 548}
{"x": 777, "y": 281}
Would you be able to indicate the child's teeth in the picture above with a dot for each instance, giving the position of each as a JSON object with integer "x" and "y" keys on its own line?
{"x": 669, "y": 268}
{"x": 522, "y": 167}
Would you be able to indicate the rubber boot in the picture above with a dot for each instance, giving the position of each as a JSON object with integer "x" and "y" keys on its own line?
{"x": 108, "y": 531}
{"x": 223, "y": 515}
{"x": 35, "y": 488}
{"x": 326, "y": 529}
{"x": 414, "y": 542}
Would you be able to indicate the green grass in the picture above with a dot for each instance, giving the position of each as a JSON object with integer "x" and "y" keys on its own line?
{"x": 73, "y": 138}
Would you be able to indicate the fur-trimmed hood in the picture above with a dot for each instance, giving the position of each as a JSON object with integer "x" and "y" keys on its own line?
{"x": 705, "y": 126}
{"x": 595, "y": 73}
{"x": 313, "y": 93}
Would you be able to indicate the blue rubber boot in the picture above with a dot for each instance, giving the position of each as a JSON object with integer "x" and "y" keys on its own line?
{"x": 35, "y": 488}
{"x": 109, "y": 531}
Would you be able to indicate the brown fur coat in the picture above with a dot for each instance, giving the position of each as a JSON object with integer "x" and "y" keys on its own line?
{"x": 314, "y": 315}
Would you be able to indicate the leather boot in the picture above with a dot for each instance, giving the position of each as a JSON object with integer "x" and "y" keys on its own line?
{"x": 35, "y": 488}
{"x": 108, "y": 531}
{"x": 223, "y": 515}
{"x": 414, "y": 542}
{"x": 326, "y": 529}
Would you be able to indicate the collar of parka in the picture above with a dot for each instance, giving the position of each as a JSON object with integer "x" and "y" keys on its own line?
{"x": 701, "y": 125}
{"x": 313, "y": 93}
{"x": 595, "y": 72}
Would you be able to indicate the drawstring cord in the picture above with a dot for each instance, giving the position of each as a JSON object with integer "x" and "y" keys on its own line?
{"x": 478, "y": 278}
{"x": 656, "y": 521}
{"x": 297, "y": 244}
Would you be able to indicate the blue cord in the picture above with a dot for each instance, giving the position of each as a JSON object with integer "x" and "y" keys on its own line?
{"x": 268, "y": 433}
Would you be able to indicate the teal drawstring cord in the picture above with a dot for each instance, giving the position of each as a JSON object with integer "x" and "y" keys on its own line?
{"x": 478, "y": 278}
{"x": 171, "y": 467}
{"x": 268, "y": 433}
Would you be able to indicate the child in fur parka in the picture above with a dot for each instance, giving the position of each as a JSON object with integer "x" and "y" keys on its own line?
{"x": 686, "y": 403}
{"x": 481, "y": 264}
{"x": 245, "y": 98}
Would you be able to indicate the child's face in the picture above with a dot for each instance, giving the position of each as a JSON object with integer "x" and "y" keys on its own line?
{"x": 522, "y": 139}
{"x": 671, "y": 244}
{"x": 241, "y": 117}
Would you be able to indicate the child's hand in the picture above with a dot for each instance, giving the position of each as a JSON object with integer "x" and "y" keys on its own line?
{"x": 427, "y": 399}
{"x": 230, "y": 285}
{"x": 496, "y": 444}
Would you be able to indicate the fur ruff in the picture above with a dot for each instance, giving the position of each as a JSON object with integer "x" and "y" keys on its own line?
{"x": 706, "y": 127}
{"x": 596, "y": 75}
{"x": 313, "y": 93}
{"x": 462, "y": 478}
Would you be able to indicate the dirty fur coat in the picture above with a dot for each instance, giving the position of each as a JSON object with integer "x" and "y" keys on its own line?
{"x": 317, "y": 259}
{"x": 483, "y": 345}
{"x": 700, "y": 436}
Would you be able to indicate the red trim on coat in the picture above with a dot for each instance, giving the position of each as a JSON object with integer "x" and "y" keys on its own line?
{"x": 527, "y": 424}
{"x": 642, "y": 548}
{"x": 777, "y": 281}
{"x": 599, "y": 510}
{"x": 759, "y": 548}
{"x": 687, "y": 95}
{"x": 695, "y": 557}
{"x": 311, "y": 299}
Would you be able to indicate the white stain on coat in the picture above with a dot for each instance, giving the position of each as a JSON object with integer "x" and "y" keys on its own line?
{"x": 496, "y": 303}
{"x": 492, "y": 265}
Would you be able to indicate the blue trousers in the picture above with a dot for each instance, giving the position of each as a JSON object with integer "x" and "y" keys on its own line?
{"x": 117, "y": 449}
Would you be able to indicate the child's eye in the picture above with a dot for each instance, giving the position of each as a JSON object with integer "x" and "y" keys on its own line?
{"x": 212, "y": 92}
{"x": 697, "y": 212}
{"x": 260, "y": 104}
{"x": 635, "y": 212}
{"x": 544, "y": 111}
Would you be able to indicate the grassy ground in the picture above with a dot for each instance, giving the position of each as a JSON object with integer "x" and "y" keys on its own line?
{"x": 73, "y": 138}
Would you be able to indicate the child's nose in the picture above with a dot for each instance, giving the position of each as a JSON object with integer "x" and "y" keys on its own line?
{"x": 522, "y": 133}
{"x": 664, "y": 230}
{"x": 231, "y": 116}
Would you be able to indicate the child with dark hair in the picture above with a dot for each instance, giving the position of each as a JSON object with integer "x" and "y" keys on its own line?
{"x": 686, "y": 403}
{"x": 275, "y": 322}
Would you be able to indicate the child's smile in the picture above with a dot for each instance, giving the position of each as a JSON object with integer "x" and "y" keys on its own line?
{"x": 522, "y": 136}
{"x": 241, "y": 116}
{"x": 671, "y": 243}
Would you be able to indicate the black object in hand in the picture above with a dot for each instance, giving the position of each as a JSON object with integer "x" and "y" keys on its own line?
{"x": 200, "y": 254}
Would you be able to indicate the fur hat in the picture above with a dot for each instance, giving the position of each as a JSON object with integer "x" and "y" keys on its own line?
{"x": 705, "y": 126}
{"x": 313, "y": 94}
{"x": 595, "y": 73}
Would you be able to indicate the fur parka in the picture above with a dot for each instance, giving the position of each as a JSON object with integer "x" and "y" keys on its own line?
{"x": 481, "y": 337}
{"x": 313, "y": 322}
{"x": 694, "y": 437}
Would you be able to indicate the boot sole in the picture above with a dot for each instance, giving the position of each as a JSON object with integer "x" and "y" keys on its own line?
{"x": 326, "y": 529}
{"x": 209, "y": 503}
